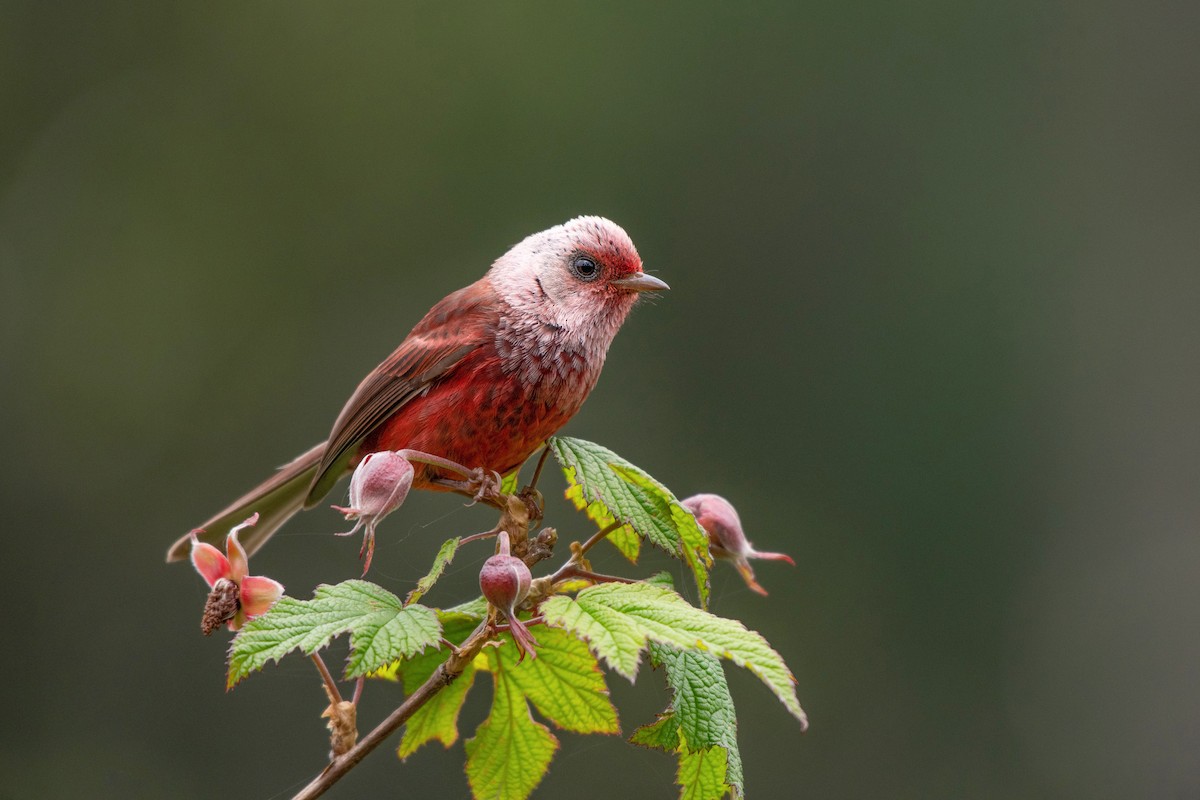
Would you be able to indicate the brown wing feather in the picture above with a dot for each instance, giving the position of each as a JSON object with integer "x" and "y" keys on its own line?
{"x": 453, "y": 328}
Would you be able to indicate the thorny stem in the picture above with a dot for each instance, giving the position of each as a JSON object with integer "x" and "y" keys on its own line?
{"x": 446, "y": 672}
{"x": 330, "y": 686}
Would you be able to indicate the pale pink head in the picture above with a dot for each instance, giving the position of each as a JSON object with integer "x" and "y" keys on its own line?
{"x": 582, "y": 277}
{"x": 726, "y": 539}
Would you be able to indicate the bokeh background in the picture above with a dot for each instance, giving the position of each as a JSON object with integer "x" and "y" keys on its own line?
{"x": 933, "y": 328}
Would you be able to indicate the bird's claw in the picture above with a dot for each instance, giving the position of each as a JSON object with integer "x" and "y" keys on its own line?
{"x": 486, "y": 482}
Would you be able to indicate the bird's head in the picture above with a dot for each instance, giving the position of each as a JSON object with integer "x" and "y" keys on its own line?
{"x": 582, "y": 276}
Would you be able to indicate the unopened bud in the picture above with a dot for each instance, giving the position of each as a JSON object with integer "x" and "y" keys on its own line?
{"x": 505, "y": 582}
{"x": 379, "y": 485}
{"x": 726, "y": 539}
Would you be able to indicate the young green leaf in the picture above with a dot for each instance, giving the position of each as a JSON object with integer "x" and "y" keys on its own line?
{"x": 510, "y": 753}
{"x": 701, "y": 774}
{"x": 612, "y": 489}
{"x": 618, "y": 619}
{"x": 438, "y": 718}
{"x": 442, "y": 560}
{"x": 702, "y": 707}
{"x": 509, "y": 483}
{"x": 381, "y": 629}
{"x": 662, "y": 734}
{"x": 564, "y": 682}
{"x": 624, "y": 538}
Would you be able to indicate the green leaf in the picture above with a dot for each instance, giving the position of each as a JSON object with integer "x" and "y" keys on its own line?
{"x": 612, "y": 489}
{"x": 693, "y": 545}
{"x": 443, "y": 558}
{"x": 699, "y": 726}
{"x": 701, "y": 774}
{"x": 662, "y": 734}
{"x": 437, "y": 719}
{"x": 510, "y": 753}
{"x": 381, "y": 629}
{"x": 477, "y": 608}
{"x": 703, "y": 707}
{"x": 625, "y": 538}
{"x": 618, "y": 619}
{"x": 508, "y": 485}
{"x": 564, "y": 681}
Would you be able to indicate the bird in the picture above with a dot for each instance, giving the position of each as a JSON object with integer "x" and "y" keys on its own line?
{"x": 484, "y": 379}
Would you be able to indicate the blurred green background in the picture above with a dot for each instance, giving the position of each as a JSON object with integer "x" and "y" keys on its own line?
{"x": 933, "y": 329}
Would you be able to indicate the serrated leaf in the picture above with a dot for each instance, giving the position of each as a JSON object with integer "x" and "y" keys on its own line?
{"x": 438, "y": 718}
{"x": 443, "y": 558}
{"x": 381, "y": 629}
{"x": 564, "y": 682}
{"x": 693, "y": 539}
{"x": 701, "y": 774}
{"x": 702, "y": 707}
{"x": 477, "y": 608}
{"x": 618, "y": 619}
{"x": 624, "y": 538}
{"x": 612, "y": 489}
{"x": 510, "y": 752}
{"x": 662, "y": 734}
{"x": 414, "y": 670}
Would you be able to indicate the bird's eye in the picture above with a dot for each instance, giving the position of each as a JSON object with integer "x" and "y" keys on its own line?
{"x": 584, "y": 268}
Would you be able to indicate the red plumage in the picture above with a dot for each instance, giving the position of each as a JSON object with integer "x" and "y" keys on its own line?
{"x": 483, "y": 379}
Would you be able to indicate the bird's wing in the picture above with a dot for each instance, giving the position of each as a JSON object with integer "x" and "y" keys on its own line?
{"x": 440, "y": 342}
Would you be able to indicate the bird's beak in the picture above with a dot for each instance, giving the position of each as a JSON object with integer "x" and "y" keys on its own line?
{"x": 641, "y": 282}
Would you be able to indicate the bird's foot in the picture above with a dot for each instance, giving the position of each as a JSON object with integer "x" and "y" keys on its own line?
{"x": 481, "y": 485}
{"x": 486, "y": 483}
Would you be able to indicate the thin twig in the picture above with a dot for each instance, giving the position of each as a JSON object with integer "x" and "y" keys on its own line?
{"x": 574, "y": 571}
{"x": 330, "y": 686}
{"x": 476, "y": 536}
{"x": 358, "y": 690}
{"x": 537, "y": 472}
{"x": 446, "y": 672}
{"x": 596, "y": 537}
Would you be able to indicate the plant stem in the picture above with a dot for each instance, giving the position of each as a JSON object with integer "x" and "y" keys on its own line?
{"x": 446, "y": 672}
{"x": 437, "y": 461}
{"x": 537, "y": 472}
{"x": 330, "y": 686}
{"x": 596, "y": 537}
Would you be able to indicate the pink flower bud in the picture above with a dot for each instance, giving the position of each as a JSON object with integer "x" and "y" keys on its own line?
{"x": 505, "y": 582}
{"x": 726, "y": 539}
{"x": 380, "y": 483}
{"x": 378, "y": 487}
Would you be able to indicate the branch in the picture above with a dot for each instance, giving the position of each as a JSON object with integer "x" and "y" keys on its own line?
{"x": 442, "y": 677}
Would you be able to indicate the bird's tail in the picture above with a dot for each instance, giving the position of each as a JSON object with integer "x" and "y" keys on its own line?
{"x": 275, "y": 499}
